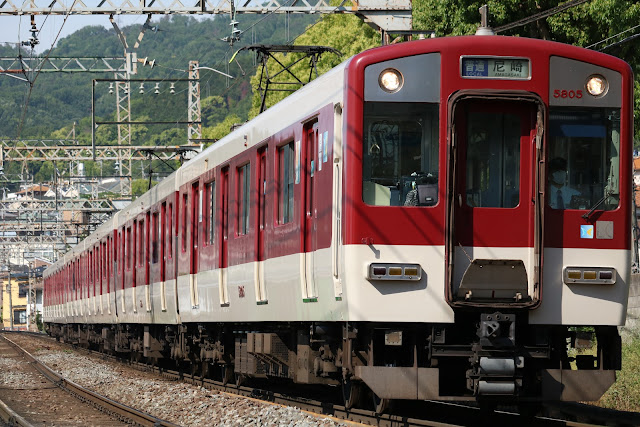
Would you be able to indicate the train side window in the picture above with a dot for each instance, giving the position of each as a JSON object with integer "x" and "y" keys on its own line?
{"x": 400, "y": 154}
{"x": 154, "y": 237}
{"x": 583, "y": 158}
{"x": 210, "y": 214}
{"x": 169, "y": 234}
{"x": 286, "y": 175}
{"x": 244, "y": 185}
{"x": 185, "y": 200}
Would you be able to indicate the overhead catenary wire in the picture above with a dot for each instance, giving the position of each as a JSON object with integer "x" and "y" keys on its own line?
{"x": 37, "y": 73}
{"x": 540, "y": 15}
{"x": 593, "y": 45}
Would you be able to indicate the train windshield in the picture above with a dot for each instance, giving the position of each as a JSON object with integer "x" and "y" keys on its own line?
{"x": 584, "y": 158}
{"x": 400, "y": 154}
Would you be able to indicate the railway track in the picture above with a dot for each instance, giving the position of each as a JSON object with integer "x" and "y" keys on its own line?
{"x": 33, "y": 394}
{"x": 406, "y": 414}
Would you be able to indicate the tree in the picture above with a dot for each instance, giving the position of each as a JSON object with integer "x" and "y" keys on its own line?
{"x": 595, "y": 24}
{"x": 346, "y": 33}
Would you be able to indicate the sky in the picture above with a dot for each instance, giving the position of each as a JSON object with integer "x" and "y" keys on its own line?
{"x": 15, "y": 28}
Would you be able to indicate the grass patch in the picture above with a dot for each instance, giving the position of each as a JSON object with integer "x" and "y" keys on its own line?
{"x": 624, "y": 395}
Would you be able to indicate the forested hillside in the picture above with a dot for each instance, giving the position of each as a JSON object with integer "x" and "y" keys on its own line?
{"x": 58, "y": 100}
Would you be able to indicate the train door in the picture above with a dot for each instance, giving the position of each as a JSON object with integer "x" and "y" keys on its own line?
{"x": 310, "y": 212}
{"x": 224, "y": 227}
{"x": 261, "y": 293}
{"x": 493, "y": 222}
{"x": 163, "y": 234}
{"x": 147, "y": 260}
{"x": 196, "y": 220}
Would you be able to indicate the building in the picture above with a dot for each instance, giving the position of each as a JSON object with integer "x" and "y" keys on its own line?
{"x": 14, "y": 302}
{"x": 20, "y": 308}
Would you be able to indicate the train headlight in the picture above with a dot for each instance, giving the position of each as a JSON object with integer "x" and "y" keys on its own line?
{"x": 379, "y": 271}
{"x": 589, "y": 275}
{"x": 390, "y": 80}
{"x": 597, "y": 85}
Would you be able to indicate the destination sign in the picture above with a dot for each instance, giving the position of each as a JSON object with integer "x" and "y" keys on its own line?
{"x": 496, "y": 68}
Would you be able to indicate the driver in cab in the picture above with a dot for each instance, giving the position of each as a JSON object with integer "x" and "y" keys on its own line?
{"x": 560, "y": 192}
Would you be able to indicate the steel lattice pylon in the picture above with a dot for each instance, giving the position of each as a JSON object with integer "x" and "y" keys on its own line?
{"x": 194, "y": 129}
{"x": 123, "y": 101}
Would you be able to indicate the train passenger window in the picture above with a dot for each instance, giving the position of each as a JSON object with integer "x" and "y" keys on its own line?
{"x": 584, "y": 158}
{"x": 210, "y": 217}
{"x": 493, "y": 160}
{"x": 244, "y": 185}
{"x": 155, "y": 224}
{"x": 286, "y": 176}
{"x": 400, "y": 154}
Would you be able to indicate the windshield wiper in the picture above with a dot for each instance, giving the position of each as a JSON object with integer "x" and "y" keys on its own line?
{"x": 607, "y": 194}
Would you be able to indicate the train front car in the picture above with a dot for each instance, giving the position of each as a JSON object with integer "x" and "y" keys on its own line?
{"x": 486, "y": 219}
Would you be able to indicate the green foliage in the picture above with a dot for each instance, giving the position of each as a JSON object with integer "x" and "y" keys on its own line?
{"x": 222, "y": 129}
{"x": 583, "y": 25}
{"x": 39, "y": 323}
{"x": 624, "y": 395}
{"x": 346, "y": 33}
{"x": 140, "y": 186}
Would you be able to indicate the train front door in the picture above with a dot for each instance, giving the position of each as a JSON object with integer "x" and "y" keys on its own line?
{"x": 493, "y": 238}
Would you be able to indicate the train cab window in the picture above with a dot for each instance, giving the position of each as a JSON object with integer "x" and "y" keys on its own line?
{"x": 244, "y": 185}
{"x": 286, "y": 175}
{"x": 493, "y": 160}
{"x": 400, "y": 154}
{"x": 583, "y": 158}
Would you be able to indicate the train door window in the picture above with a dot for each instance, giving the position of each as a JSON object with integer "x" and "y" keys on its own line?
{"x": 140, "y": 243}
{"x": 243, "y": 197}
{"x": 583, "y": 158}
{"x": 286, "y": 176}
{"x": 400, "y": 154}
{"x": 128, "y": 247}
{"x": 154, "y": 238}
{"x": 185, "y": 200}
{"x": 493, "y": 160}
{"x": 169, "y": 222}
{"x": 210, "y": 216}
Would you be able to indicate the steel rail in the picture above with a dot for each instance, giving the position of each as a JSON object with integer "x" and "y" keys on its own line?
{"x": 592, "y": 415}
{"x": 102, "y": 402}
{"x": 9, "y": 417}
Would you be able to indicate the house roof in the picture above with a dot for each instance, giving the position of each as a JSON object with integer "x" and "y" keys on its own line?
{"x": 41, "y": 189}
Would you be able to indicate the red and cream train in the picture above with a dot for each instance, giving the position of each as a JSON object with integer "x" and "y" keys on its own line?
{"x": 428, "y": 220}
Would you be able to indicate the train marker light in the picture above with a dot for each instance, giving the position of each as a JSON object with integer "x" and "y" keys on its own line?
{"x": 390, "y": 80}
{"x": 597, "y": 85}
{"x": 379, "y": 271}
{"x": 589, "y": 275}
